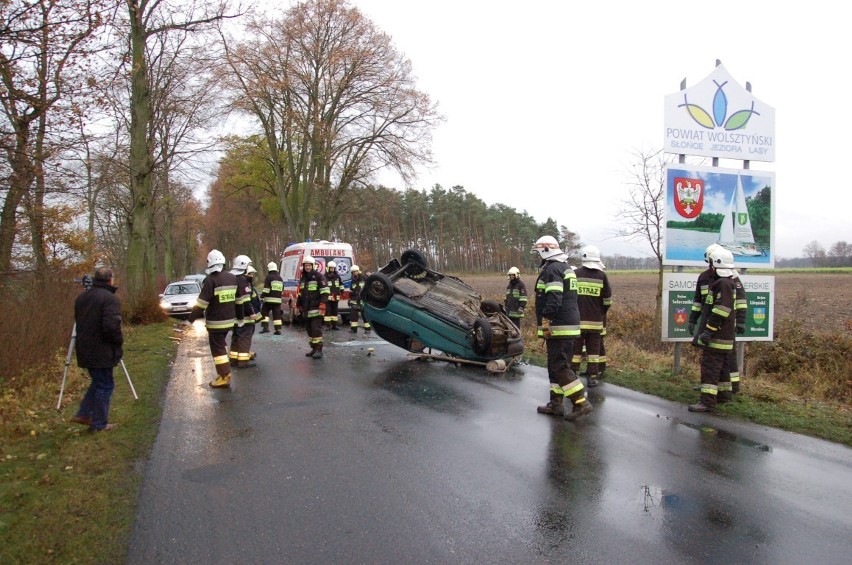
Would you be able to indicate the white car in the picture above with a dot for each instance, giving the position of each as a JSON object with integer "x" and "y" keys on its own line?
{"x": 179, "y": 298}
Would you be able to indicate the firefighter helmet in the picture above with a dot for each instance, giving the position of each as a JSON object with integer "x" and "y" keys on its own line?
{"x": 355, "y": 269}
{"x": 331, "y": 265}
{"x": 514, "y": 272}
{"x": 710, "y": 249}
{"x": 547, "y": 247}
{"x": 250, "y": 271}
{"x": 272, "y": 266}
{"x": 721, "y": 258}
{"x": 592, "y": 257}
{"x": 240, "y": 263}
{"x": 308, "y": 260}
{"x": 215, "y": 261}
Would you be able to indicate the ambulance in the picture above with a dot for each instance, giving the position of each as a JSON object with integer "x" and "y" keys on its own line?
{"x": 323, "y": 251}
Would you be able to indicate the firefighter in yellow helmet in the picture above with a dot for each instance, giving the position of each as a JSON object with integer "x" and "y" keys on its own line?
{"x": 313, "y": 293}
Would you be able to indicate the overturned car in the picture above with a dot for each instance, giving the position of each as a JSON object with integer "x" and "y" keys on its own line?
{"x": 415, "y": 308}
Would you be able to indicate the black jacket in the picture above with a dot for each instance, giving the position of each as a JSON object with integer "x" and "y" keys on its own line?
{"x": 97, "y": 313}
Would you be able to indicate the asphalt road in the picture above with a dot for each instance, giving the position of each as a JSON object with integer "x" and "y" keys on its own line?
{"x": 358, "y": 458}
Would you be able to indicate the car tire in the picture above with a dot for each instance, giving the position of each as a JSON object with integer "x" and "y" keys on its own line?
{"x": 415, "y": 256}
{"x": 483, "y": 336}
{"x": 379, "y": 290}
{"x": 489, "y": 307}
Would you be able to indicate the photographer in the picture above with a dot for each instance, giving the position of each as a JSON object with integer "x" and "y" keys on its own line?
{"x": 97, "y": 314}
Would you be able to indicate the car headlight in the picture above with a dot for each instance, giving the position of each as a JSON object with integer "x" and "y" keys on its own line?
{"x": 165, "y": 305}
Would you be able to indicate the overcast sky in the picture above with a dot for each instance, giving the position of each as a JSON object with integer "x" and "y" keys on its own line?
{"x": 545, "y": 100}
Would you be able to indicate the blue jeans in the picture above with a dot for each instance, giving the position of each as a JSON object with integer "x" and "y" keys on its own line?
{"x": 95, "y": 403}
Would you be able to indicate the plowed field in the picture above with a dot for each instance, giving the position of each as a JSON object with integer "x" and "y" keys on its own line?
{"x": 820, "y": 300}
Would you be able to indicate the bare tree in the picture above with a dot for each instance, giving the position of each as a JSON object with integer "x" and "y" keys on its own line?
{"x": 642, "y": 214}
{"x": 44, "y": 46}
{"x": 147, "y": 20}
{"x": 335, "y": 101}
{"x": 816, "y": 253}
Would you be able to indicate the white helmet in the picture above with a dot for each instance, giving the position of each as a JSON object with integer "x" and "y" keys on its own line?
{"x": 331, "y": 265}
{"x": 547, "y": 247}
{"x": 215, "y": 261}
{"x": 710, "y": 249}
{"x": 355, "y": 269}
{"x": 723, "y": 261}
{"x": 309, "y": 259}
{"x": 272, "y": 266}
{"x": 250, "y": 271}
{"x": 240, "y": 263}
{"x": 514, "y": 272}
{"x": 592, "y": 258}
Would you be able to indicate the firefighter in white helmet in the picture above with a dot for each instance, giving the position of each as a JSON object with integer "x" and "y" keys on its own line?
{"x": 594, "y": 297}
{"x": 313, "y": 293}
{"x": 240, "y": 355}
{"x": 356, "y": 289}
{"x": 273, "y": 288}
{"x": 335, "y": 291}
{"x": 516, "y": 296}
{"x": 716, "y": 331}
{"x": 217, "y": 303}
{"x": 558, "y": 321}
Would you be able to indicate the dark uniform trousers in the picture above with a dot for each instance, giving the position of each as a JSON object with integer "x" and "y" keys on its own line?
{"x": 241, "y": 342}
{"x": 559, "y": 370}
{"x": 591, "y": 339}
{"x": 273, "y": 308}
{"x": 715, "y": 377}
{"x": 218, "y": 340}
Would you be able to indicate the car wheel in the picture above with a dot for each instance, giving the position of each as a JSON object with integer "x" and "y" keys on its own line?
{"x": 489, "y": 306}
{"x": 379, "y": 290}
{"x": 482, "y": 336}
{"x": 415, "y": 256}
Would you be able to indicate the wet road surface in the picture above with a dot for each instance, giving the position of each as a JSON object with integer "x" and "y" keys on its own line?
{"x": 358, "y": 458}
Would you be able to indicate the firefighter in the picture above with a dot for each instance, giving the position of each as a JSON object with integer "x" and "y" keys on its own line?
{"x": 558, "y": 321}
{"x": 741, "y": 306}
{"x": 716, "y": 330}
{"x": 273, "y": 287}
{"x": 594, "y": 297}
{"x": 313, "y": 292}
{"x": 244, "y": 328}
{"x": 217, "y": 303}
{"x": 355, "y": 290}
{"x": 255, "y": 304}
{"x": 516, "y": 297}
{"x": 335, "y": 290}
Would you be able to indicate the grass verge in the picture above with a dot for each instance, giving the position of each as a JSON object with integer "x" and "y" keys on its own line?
{"x": 66, "y": 495}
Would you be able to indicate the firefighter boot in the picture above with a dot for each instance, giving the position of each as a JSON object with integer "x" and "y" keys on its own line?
{"x": 554, "y": 407}
{"x": 317, "y": 353}
{"x": 221, "y": 381}
{"x": 311, "y": 352}
{"x": 354, "y": 329}
{"x": 580, "y": 409}
{"x": 264, "y": 329}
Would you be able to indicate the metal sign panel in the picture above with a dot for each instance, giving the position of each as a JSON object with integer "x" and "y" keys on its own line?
{"x": 719, "y": 118}
{"x": 734, "y": 208}
{"x": 679, "y": 291}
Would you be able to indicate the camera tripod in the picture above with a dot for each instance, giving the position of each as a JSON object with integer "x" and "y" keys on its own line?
{"x": 68, "y": 362}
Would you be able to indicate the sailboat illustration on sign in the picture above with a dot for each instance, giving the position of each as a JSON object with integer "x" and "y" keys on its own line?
{"x": 735, "y": 234}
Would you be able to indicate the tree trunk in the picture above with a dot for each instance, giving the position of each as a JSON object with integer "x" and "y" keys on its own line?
{"x": 140, "y": 250}
{"x": 20, "y": 182}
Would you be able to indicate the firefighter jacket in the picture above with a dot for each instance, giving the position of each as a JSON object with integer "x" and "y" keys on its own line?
{"x": 217, "y": 302}
{"x": 594, "y": 297}
{"x": 313, "y": 291}
{"x": 516, "y": 298}
{"x": 97, "y": 314}
{"x": 273, "y": 287}
{"x": 705, "y": 279}
{"x": 556, "y": 300}
{"x": 355, "y": 290}
{"x": 335, "y": 286}
{"x": 718, "y": 316}
{"x": 243, "y": 299}
{"x": 254, "y": 299}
